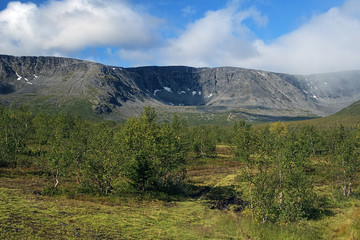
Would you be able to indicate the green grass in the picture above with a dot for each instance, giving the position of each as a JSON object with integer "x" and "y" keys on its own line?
{"x": 224, "y": 117}
{"x": 82, "y": 108}
{"x": 79, "y": 107}
{"x": 343, "y": 224}
{"x": 219, "y": 118}
{"x": 352, "y": 110}
{"x": 349, "y": 117}
{"x": 40, "y": 217}
{"x": 24, "y": 214}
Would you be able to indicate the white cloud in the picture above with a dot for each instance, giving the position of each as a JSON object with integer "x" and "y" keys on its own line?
{"x": 220, "y": 35}
{"x": 188, "y": 10}
{"x": 327, "y": 42}
{"x": 70, "y": 25}
{"x": 220, "y": 38}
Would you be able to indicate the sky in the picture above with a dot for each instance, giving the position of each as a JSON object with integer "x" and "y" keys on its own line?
{"x": 296, "y": 37}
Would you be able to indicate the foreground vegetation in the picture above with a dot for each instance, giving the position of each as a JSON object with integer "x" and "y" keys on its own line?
{"x": 64, "y": 177}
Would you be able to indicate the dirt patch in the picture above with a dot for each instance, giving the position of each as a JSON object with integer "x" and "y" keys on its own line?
{"x": 225, "y": 198}
{"x": 233, "y": 203}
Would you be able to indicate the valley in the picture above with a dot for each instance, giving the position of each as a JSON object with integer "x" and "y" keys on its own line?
{"x": 100, "y": 152}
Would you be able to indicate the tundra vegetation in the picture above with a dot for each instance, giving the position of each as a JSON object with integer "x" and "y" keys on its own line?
{"x": 64, "y": 177}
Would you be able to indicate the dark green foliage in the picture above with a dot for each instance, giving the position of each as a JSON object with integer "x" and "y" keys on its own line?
{"x": 203, "y": 141}
{"x": 42, "y": 124}
{"x": 345, "y": 158}
{"x": 59, "y": 156}
{"x": 154, "y": 153}
{"x": 6, "y": 142}
{"x": 14, "y": 127}
{"x": 101, "y": 166}
{"x": 279, "y": 164}
{"x": 295, "y": 185}
{"x": 274, "y": 172}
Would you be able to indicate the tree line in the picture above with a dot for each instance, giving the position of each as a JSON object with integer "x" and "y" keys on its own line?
{"x": 98, "y": 156}
{"x": 277, "y": 163}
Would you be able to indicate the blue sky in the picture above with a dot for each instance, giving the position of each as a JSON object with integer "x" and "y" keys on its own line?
{"x": 307, "y": 36}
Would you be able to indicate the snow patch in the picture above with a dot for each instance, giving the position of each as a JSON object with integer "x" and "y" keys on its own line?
{"x": 167, "y": 89}
{"x": 261, "y": 73}
{"x": 315, "y": 97}
{"x": 113, "y": 68}
{"x": 199, "y": 93}
{"x": 36, "y": 76}
{"x": 182, "y": 92}
{"x": 157, "y": 90}
{"x": 19, "y": 77}
{"x": 210, "y": 95}
{"x": 193, "y": 93}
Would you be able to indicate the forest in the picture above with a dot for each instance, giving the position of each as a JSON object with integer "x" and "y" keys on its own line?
{"x": 282, "y": 174}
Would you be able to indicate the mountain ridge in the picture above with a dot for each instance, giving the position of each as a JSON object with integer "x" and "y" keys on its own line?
{"x": 116, "y": 93}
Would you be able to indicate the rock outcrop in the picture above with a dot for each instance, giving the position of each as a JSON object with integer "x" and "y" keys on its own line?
{"x": 117, "y": 93}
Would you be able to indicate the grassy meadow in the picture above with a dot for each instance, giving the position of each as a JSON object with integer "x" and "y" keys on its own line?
{"x": 27, "y": 214}
{"x": 62, "y": 177}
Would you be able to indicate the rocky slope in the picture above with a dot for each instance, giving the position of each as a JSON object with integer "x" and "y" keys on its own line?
{"x": 117, "y": 93}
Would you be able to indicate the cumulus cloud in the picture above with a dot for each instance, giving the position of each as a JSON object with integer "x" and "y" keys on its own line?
{"x": 327, "y": 42}
{"x": 219, "y": 38}
{"x": 59, "y": 27}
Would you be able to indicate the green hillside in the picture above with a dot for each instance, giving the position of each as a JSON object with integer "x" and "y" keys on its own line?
{"x": 348, "y": 117}
{"x": 352, "y": 110}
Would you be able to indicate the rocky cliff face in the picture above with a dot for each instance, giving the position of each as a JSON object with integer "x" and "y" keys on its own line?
{"x": 234, "y": 88}
{"x": 115, "y": 92}
{"x": 58, "y": 82}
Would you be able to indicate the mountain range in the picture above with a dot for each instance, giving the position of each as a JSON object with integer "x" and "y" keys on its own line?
{"x": 98, "y": 91}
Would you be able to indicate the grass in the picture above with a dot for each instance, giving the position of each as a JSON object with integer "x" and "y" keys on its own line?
{"x": 196, "y": 118}
{"x": 40, "y": 217}
{"x": 82, "y": 108}
{"x": 352, "y": 110}
{"x": 223, "y": 117}
{"x": 26, "y": 214}
{"x": 349, "y": 122}
{"x": 343, "y": 224}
